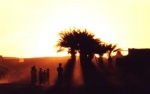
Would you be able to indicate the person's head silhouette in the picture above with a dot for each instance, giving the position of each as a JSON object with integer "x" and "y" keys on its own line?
{"x": 60, "y": 64}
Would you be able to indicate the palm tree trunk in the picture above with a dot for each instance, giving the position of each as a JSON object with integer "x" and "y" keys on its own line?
{"x": 100, "y": 61}
{"x": 90, "y": 57}
{"x": 109, "y": 58}
{"x": 109, "y": 61}
{"x": 73, "y": 55}
{"x": 82, "y": 57}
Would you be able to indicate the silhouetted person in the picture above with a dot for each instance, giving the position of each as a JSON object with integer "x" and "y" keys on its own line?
{"x": 33, "y": 75}
{"x": 60, "y": 71}
{"x": 44, "y": 77}
{"x": 47, "y": 75}
{"x": 40, "y": 76}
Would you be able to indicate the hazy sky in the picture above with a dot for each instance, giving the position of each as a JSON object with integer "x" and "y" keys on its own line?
{"x": 29, "y": 28}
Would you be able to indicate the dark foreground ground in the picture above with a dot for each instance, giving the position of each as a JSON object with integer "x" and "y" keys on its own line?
{"x": 29, "y": 89}
{"x": 95, "y": 79}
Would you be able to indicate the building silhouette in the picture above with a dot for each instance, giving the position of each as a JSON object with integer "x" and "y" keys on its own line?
{"x": 137, "y": 61}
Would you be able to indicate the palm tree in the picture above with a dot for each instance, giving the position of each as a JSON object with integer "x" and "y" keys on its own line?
{"x": 78, "y": 41}
{"x": 67, "y": 40}
{"x": 101, "y": 50}
{"x": 86, "y": 44}
{"x": 111, "y": 49}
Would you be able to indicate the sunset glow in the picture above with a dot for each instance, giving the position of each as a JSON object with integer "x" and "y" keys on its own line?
{"x": 29, "y": 28}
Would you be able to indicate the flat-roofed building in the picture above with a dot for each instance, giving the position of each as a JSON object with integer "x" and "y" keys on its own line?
{"x": 137, "y": 61}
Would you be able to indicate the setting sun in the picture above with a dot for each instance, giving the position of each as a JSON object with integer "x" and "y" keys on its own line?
{"x": 29, "y": 28}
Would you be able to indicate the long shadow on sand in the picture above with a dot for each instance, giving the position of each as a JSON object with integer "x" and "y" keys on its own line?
{"x": 66, "y": 87}
{"x": 97, "y": 82}
{"x": 94, "y": 81}
{"x": 68, "y": 73}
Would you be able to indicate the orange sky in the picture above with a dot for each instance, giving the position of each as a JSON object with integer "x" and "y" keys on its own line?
{"x": 29, "y": 28}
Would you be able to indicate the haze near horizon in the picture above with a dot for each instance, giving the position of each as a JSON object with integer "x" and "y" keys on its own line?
{"x": 29, "y": 28}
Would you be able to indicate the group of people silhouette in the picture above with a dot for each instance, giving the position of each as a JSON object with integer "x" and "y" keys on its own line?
{"x": 44, "y": 75}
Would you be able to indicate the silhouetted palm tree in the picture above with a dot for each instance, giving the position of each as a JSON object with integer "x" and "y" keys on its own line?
{"x": 101, "y": 50}
{"x": 111, "y": 49}
{"x": 67, "y": 40}
{"x": 87, "y": 44}
{"x": 78, "y": 41}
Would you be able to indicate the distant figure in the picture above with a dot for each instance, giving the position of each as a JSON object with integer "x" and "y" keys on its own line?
{"x": 60, "y": 71}
{"x": 33, "y": 75}
{"x": 47, "y": 75}
{"x": 40, "y": 76}
{"x": 44, "y": 77}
